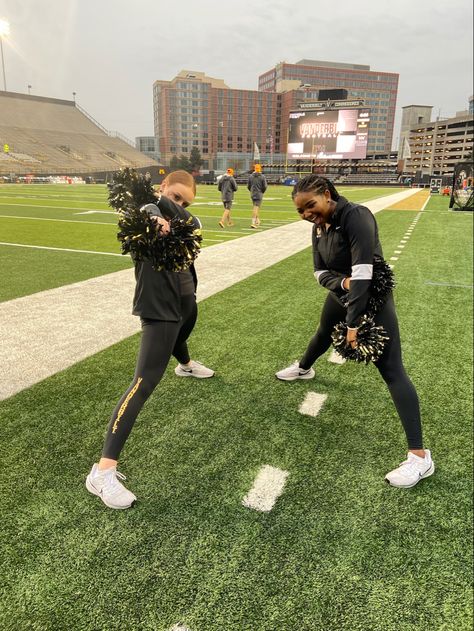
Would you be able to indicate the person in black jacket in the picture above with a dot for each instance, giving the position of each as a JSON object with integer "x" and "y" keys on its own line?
{"x": 166, "y": 303}
{"x": 257, "y": 185}
{"x": 227, "y": 187}
{"x": 345, "y": 241}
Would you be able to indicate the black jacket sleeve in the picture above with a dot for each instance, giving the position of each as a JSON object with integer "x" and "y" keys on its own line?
{"x": 166, "y": 208}
{"x": 326, "y": 278}
{"x": 360, "y": 230}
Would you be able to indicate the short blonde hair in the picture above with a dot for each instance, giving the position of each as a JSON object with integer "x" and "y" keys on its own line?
{"x": 181, "y": 177}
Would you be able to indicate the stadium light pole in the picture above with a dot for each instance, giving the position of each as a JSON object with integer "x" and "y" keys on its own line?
{"x": 4, "y": 32}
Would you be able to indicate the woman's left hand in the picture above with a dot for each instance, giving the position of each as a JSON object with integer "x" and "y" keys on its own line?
{"x": 165, "y": 225}
{"x": 351, "y": 338}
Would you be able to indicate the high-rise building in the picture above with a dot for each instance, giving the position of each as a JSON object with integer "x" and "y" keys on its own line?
{"x": 229, "y": 125}
{"x": 377, "y": 89}
{"x": 194, "y": 110}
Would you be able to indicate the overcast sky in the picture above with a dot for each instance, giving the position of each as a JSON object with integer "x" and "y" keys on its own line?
{"x": 110, "y": 51}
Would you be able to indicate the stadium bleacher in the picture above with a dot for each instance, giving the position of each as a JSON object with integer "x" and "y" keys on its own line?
{"x": 53, "y": 136}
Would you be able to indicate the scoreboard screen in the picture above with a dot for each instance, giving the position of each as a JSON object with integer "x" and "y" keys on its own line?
{"x": 328, "y": 134}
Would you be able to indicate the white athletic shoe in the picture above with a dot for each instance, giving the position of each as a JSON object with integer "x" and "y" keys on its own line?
{"x": 106, "y": 485}
{"x": 195, "y": 369}
{"x": 411, "y": 471}
{"x": 294, "y": 372}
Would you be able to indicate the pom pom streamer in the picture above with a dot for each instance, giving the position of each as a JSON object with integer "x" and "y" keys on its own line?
{"x": 141, "y": 236}
{"x": 371, "y": 341}
{"x": 383, "y": 281}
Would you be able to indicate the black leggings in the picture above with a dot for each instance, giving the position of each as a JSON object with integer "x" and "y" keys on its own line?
{"x": 160, "y": 340}
{"x": 389, "y": 365}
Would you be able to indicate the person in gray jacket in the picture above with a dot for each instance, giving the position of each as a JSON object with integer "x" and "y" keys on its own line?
{"x": 227, "y": 186}
{"x": 257, "y": 185}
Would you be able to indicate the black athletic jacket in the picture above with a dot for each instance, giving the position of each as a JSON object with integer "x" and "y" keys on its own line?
{"x": 158, "y": 294}
{"x": 347, "y": 248}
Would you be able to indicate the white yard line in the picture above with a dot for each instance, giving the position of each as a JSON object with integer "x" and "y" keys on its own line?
{"x": 312, "y": 403}
{"x": 44, "y": 247}
{"x": 52, "y": 330}
{"x": 90, "y": 223}
{"x": 335, "y": 358}
{"x": 266, "y": 489}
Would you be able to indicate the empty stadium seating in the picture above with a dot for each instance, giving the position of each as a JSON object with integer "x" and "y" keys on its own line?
{"x": 52, "y": 136}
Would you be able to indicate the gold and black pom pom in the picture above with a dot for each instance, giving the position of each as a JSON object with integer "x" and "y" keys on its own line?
{"x": 371, "y": 341}
{"x": 130, "y": 190}
{"x": 383, "y": 281}
{"x": 140, "y": 236}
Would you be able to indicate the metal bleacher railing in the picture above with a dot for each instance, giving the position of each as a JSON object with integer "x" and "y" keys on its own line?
{"x": 112, "y": 134}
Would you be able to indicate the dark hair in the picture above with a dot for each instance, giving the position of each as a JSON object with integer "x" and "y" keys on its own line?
{"x": 316, "y": 184}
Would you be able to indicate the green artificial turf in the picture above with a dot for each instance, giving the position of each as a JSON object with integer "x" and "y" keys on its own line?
{"x": 53, "y": 216}
{"x": 341, "y": 550}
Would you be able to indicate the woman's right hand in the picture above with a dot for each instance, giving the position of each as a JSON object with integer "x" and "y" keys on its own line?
{"x": 165, "y": 225}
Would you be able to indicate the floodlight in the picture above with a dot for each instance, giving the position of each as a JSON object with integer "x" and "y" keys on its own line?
{"x": 4, "y": 28}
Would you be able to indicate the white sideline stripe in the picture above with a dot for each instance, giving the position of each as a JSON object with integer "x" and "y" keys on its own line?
{"x": 179, "y": 627}
{"x": 425, "y": 204}
{"x": 391, "y": 266}
{"x": 267, "y": 487}
{"x": 43, "y": 327}
{"x": 335, "y": 358}
{"x": 394, "y": 258}
{"x": 404, "y": 241}
{"x": 44, "y": 247}
{"x": 402, "y": 245}
{"x": 312, "y": 403}
{"x": 397, "y": 252}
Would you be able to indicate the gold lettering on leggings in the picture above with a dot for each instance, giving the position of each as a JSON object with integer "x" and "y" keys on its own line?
{"x": 123, "y": 407}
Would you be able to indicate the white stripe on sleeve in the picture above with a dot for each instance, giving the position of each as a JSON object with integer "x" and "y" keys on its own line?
{"x": 318, "y": 272}
{"x": 362, "y": 272}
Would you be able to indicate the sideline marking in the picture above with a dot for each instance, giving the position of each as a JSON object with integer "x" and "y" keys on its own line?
{"x": 267, "y": 487}
{"x": 313, "y": 403}
{"x": 394, "y": 258}
{"x": 429, "y": 282}
{"x": 179, "y": 626}
{"x": 43, "y": 247}
{"x": 335, "y": 358}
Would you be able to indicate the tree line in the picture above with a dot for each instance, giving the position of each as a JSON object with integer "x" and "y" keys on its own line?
{"x": 191, "y": 163}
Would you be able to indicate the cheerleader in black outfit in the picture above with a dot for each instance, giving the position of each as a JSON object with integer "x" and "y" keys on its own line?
{"x": 345, "y": 241}
{"x": 166, "y": 304}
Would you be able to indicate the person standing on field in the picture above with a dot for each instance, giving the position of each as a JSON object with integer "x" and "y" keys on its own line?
{"x": 257, "y": 185}
{"x": 227, "y": 187}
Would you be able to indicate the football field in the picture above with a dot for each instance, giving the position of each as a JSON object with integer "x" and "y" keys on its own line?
{"x": 64, "y": 234}
{"x": 340, "y": 549}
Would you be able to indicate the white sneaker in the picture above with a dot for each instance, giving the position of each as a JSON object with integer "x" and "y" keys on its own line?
{"x": 411, "y": 471}
{"x": 194, "y": 369}
{"x": 294, "y": 372}
{"x": 106, "y": 485}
